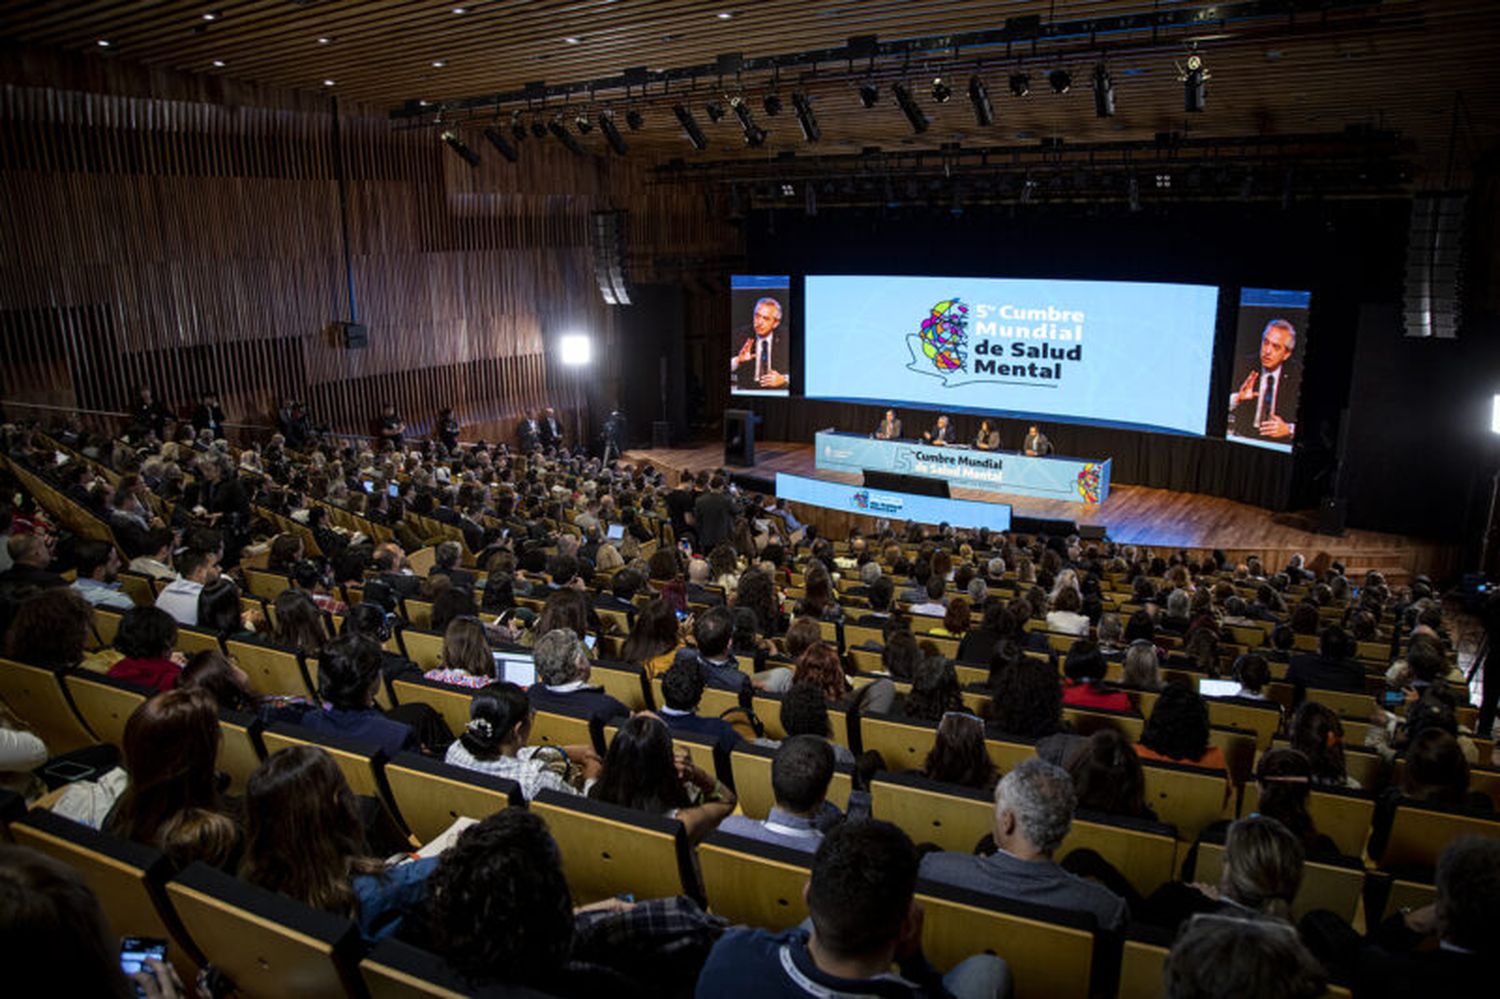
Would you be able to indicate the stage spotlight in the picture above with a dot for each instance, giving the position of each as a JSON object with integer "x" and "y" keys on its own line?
{"x": 914, "y": 114}
{"x": 941, "y": 92}
{"x": 561, "y": 134}
{"x": 538, "y": 128}
{"x": 802, "y": 107}
{"x": 1020, "y": 84}
{"x": 612, "y": 133}
{"x": 1195, "y": 84}
{"x": 584, "y": 124}
{"x": 1060, "y": 80}
{"x": 463, "y": 152}
{"x": 634, "y": 120}
{"x": 690, "y": 127}
{"x": 501, "y": 143}
{"x": 979, "y": 96}
{"x": 575, "y": 350}
{"x": 772, "y": 104}
{"x": 754, "y": 134}
{"x": 715, "y": 111}
{"x": 869, "y": 95}
{"x": 517, "y": 127}
{"x": 1104, "y": 92}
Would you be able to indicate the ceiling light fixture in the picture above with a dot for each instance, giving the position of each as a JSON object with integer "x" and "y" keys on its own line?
{"x": 461, "y": 150}
{"x": 103, "y": 43}
{"x": 802, "y": 107}
{"x": 754, "y": 135}
{"x": 612, "y": 133}
{"x": 869, "y": 95}
{"x": 538, "y": 128}
{"x": 715, "y": 111}
{"x": 325, "y": 40}
{"x": 328, "y": 83}
{"x": 561, "y": 134}
{"x": 914, "y": 114}
{"x": 1020, "y": 84}
{"x": 979, "y": 97}
{"x": 1195, "y": 84}
{"x": 438, "y": 64}
{"x": 634, "y": 120}
{"x": 572, "y": 39}
{"x": 690, "y": 128}
{"x": 1060, "y": 80}
{"x": 211, "y": 15}
{"x": 501, "y": 143}
{"x": 517, "y": 126}
{"x": 219, "y": 64}
{"x": 1104, "y": 92}
{"x": 583, "y": 123}
{"x": 772, "y": 104}
{"x": 941, "y": 92}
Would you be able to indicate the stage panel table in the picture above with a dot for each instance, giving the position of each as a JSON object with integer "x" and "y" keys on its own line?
{"x": 1075, "y": 479}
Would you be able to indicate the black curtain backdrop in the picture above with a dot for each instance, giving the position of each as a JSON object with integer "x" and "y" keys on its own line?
{"x": 1418, "y": 454}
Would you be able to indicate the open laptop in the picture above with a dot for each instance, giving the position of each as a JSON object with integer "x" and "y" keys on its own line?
{"x": 515, "y": 667}
{"x": 615, "y": 532}
{"x": 1217, "y": 688}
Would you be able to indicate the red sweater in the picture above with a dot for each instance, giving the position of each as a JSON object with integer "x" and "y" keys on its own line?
{"x": 159, "y": 674}
{"x": 1086, "y": 695}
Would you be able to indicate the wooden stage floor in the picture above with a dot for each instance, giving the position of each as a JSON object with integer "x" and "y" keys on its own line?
{"x": 1138, "y": 515}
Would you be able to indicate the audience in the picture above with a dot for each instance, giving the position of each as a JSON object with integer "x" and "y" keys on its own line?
{"x": 801, "y": 771}
{"x": 145, "y": 639}
{"x": 1219, "y": 956}
{"x": 1178, "y": 731}
{"x": 494, "y": 742}
{"x": 958, "y": 754}
{"x": 642, "y": 771}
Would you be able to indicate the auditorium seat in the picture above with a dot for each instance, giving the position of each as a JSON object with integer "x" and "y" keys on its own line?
{"x": 700, "y": 749}
{"x": 622, "y": 681}
{"x": 104, "y": 703}
{"x": 1341, "y": 814}
{"x": 127, "y": 877}
{"x": 272, "y": 671}
{"x": 553, "y": 728}
{"x": 417, "y": 613}
{"x": 360, "y": 762}
{"x": 954, "y": 818}
{"x": 191, "y": 641}
{"x": 1364, "y": 765}
{"x": 754, "y": 883}
{"x": 106, "y": 625}
{"x": 903, "y": 744}
{"x": 608, "y": 850}
{"x": 449, "y": 701}
{"x": 751, "y": 767}
{"x": 1186, "y": 797}
{"x": 265, "y": 584}
{"x": 1145, "y": 852}
{"x": 397, "y": 970}
{"x": 1406, "y": 894}
{"x": 37, "y": 697}
{"x": 1262, "y": 719}
{"x": 1087, "y": 721}
{"x": 1334, "y": 885}
{"x": 264, "y": 942}
{"x": 1050, "y": 952}
{"x": 239, "y": 747}
{"x": 430, "y": 794}
{"x": 1420, "y": 832}
{"x": 138, "y": 588}
{"x": 1141, "y": 962}
{"x": 424, "y": 648}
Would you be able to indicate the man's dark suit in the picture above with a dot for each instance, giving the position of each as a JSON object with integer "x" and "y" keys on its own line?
{"x": 780, "y": 360}
{"x": 698, "y": 595}
{"x": 942, "y": 435}
{"x": 888, "y": 431}
{"x": 550, "y": 434}
{"x": 713, "y": 515}
{"x": 590, "y": 702}
{"x": 527, "y": 434}
{"x": 1037, "y": 443}
{"x": 1242, "y": 415}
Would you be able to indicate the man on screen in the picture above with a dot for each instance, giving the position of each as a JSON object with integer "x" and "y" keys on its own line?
{"x": 1036, "y": 443}
{"x": 888, "y": 429}
{"x": 1267, "y": 396}
{"x": 762, "y": 360}
{"x": 940, "y": 434}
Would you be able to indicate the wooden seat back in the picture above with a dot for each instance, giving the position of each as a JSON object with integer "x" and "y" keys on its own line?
{"x": 429, "y": 794}
{"x": 37, "y": 697}
{"x": 753, "y": 883}
{"x": 104, "y": 704}
{"x": 608, "y": 850}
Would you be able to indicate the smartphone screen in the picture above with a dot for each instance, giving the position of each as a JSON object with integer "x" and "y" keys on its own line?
{"x": 1393, "y": 698}
{"x": 133, "y": 954}
{"x": 393, "y": 491}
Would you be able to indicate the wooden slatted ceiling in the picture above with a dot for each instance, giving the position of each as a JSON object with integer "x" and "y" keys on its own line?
{"x": 1397, "y": 68}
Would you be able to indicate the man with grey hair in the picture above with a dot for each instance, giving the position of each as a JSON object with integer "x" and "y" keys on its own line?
{"x": 996, "y": 568}
{"x": 1033, "y": 813}
{"x": 562, "y": 680}
{"x": 979, "y": 592}
{"x": 445, "y": 563}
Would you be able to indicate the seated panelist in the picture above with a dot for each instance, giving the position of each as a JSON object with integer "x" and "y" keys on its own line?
{"x": 988, "y": 438}
{"x": 889, "y": 428}
{"x": 1036, "y": 443}
{"x": 940, "y": 434}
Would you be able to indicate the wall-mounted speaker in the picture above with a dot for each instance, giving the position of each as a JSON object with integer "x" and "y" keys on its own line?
{"x": 1433, "y": 303}
{"x": 608, "y": 232}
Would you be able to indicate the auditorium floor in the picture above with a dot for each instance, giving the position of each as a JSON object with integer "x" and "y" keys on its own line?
{"x": 1135, "y": 515}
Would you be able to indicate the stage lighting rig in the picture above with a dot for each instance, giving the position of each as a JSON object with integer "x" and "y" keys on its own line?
{"x": 772, "y": 104}
{"x": 715, "y": 111}
{"x": 501, "y": 142}
{"x": 560, "y": 132}
{"x": 1194, "y": 77}
{"x": 914, "y": 114}
{"x": 979, "y": 97}
{"x": 1020, "y": 84}
{"x": 583, "y": 123}
{"x": 517, "y": 127}
{"x": 802, "y": 107}
{"x": 612, "y": 133}
{"x": 463, "y": 152}
{"x": 634, "y": 120}
{"x": 869, "y": 95}
{"x": 754, "y": 134}
{"x": 690, "y": 127}
{"x": 941, "y": 92}
{"x": 1104, "y": 92}
{"x": 1060, "y": 80}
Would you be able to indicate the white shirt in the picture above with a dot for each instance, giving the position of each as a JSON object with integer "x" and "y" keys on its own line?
{"x": 180, "y": 599}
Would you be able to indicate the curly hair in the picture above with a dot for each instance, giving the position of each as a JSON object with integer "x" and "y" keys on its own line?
{"x": 1178, "y": 726}
{"x": 934, "y": 691}
{"x": 1317, "y": 734}
{"x": 1026, "y": 699}
{"x": 958, "y": 754}
{"x": 820, "y": 666}
{"x": 1108, "y": 778}
{"x": 498, "y": 903}
{"x": 50, "y": 629}
{"x": 756, "y": 592}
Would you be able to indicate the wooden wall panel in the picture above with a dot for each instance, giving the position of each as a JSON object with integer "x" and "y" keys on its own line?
{"x": 152, "y": 233}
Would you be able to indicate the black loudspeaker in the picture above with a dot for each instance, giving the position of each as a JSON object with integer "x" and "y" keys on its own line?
{"x": 739, "y": 437}
{"x": 1433, "y": 304}
{"x": 1331, "y": 513}
{"x": 1092, "y": 532}
{"x": 1044, "y": 526}
{"x": 608, "y": 232}
{"x": 351, "y": 335}
{"x": 895, "y": 482}
{"x": 661, "y": 435}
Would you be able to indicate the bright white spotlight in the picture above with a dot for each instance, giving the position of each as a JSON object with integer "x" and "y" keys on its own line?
{"x": 1495, "y": 417}
{"x": 575, "y": 349}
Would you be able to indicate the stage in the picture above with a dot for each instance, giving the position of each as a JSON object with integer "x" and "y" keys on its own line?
{"x": 1131, "y": 515}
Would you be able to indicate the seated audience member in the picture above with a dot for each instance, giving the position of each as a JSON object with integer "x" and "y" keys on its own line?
{"x": 179, "y": 598}
{"x": 562, "y": 672}
{"x": 370, "y": 620}
{"x": 1178, "y": 731}
{"x": 50, "y": 629}
{"x": 958, "y": 754}
{"x": 654, "y": 639}
{"x": 681, "y": 691}
{"x": 1252, "y": 673}
{"x": 466, "y": 656}
{"x": 956, "y": 619}
{"x": 801, "y": 771}
{"x": 154, "y": 558}
{"x": 1262, "y": 872}
{"x": 1317, "y": 733}
{"x": 55, "y": 940}
{"x": 1142, "y": 665}
{"x": 348, "y": 678}
{"x": 172, "y": 801}
{"x": 1222, "y": 955}
{"x": 219, "y": 611}
{"x": 145, "y": 638}
{"x": 882, "y": 592}
{"x": 978, "y": 644}
{"x": 933, "y": 605}
{"x": 642, "y": 771}
{"x": 30, "y": 568}
{"x": 445, "y": 563}
{"x": 864, "y": 920}
{"x": 934, "y": 691}
{"x": 821, "y": 666}
{"x": 1026, "y": 703}
{"x": 1436, "y": 773}
{"x": 1083, "y": 683}
{"x": 1107, "y": 777}
{"x": 1065, "y": 617}
{"x": 317, "y": 582}
{"x": 1034, "y": 806}
{"x": 304, "y": 839}
{"x": 1400, "y": 963}
{"x": 712, "y": 631}
{"x": 804, "y": 712}
{"x": 299, "y": 623}
{"x": 494, "y": 742}
{"x": 1285, "y": 781}
{"x": 1332, "y": 668}
{"x": 229, "y": 686}
{"x": 901, "y": 655}
{"x": 98, "y": 575}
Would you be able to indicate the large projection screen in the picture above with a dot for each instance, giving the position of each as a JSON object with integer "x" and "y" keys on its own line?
{"x": 1114, "y": 353}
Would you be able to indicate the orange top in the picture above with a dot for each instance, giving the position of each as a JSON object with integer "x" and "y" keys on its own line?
{"x": 1212, "y": 759}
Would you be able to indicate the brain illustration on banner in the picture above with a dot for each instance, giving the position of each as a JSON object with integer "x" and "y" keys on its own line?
{"x": 944, "y": 333}
{"x": 1088, "y": 483}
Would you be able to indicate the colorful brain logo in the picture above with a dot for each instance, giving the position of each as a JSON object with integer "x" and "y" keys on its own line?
{"x": 861, "y": 499}
{"x": 944, "y": 333}
{"x": 1088, "y": 483}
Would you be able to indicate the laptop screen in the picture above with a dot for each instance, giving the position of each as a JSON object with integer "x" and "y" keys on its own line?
{"x": 615, "y": 532}
{"x": 1217, "y": 688}
{"x": 515, "y": 667}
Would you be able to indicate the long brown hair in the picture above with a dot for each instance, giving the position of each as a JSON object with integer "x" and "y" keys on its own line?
{"x": 172, "y": 801}
{"x": 464, "y": 647}
{"x": 295, "y": 792}
{"x": 299, "y": 623}
{"x": 820, "y": 665}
